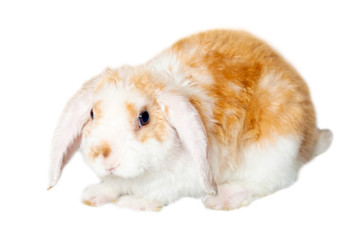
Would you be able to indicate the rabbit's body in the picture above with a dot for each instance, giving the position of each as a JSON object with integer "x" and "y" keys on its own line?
{"x": 228, "y": 116}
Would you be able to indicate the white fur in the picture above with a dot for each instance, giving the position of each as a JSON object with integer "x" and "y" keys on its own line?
{"x": 271, "y": 165}
{"x": 267, "y": 166}
{"x": 325, "y": 138}
{"x": 162, "y": 186}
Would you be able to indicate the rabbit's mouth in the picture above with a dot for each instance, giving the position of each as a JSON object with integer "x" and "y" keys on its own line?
{"x": 111, "y": 170}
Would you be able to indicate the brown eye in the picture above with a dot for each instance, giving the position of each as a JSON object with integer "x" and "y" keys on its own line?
{"x": 92, "y": 114}
{"x": 144, "y": 118}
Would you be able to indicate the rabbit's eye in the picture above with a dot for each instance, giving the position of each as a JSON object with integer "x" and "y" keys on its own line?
{"x": 92, "y": 114}
{"x": 144, "y": 118}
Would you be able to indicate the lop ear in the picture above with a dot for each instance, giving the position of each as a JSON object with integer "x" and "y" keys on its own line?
{"x": 183, "y": 116}
{"x": 68, "y": 132}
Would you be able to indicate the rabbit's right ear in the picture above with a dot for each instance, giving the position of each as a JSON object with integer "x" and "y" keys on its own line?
{"x": 68, "y": 131}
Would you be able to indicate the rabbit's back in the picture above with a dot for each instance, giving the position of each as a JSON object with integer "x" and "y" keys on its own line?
{"x": 254, "y": 93}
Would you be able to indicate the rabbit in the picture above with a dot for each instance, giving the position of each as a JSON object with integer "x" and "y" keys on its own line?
{"x": 219, "y": 116}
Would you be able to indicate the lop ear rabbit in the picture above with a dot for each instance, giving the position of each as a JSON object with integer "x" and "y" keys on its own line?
{"x": 218, "y": 115}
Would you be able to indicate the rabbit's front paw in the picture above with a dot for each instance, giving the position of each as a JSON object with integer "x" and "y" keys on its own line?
{"x": 97, "y": 194}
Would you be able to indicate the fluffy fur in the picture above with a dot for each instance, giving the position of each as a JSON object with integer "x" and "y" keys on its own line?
{"x": 230, "y": 121}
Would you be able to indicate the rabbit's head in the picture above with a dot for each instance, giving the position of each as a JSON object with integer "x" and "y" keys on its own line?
{"x": 126, "y": 133}
{"x": 127, "y": 122}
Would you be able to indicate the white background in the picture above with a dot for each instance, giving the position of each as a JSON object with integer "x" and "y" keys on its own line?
{"x": 48, "y": 49}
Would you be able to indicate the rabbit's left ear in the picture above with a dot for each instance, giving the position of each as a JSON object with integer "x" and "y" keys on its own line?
{"x": 68, "y": 132}
{"x": 183, "y": 116}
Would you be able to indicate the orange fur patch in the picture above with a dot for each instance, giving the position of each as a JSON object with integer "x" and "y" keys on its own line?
{"x": 102, "y": 149}
{"x": 145, "y": 82}
{"x": 97, "y": 110}
{"x": 110, "y": 77}
{"x": 130, "y": 107}
{"x": 142, "y": 79}
{"x": 155, "y": 129}
{"x": 256, "y": 94}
